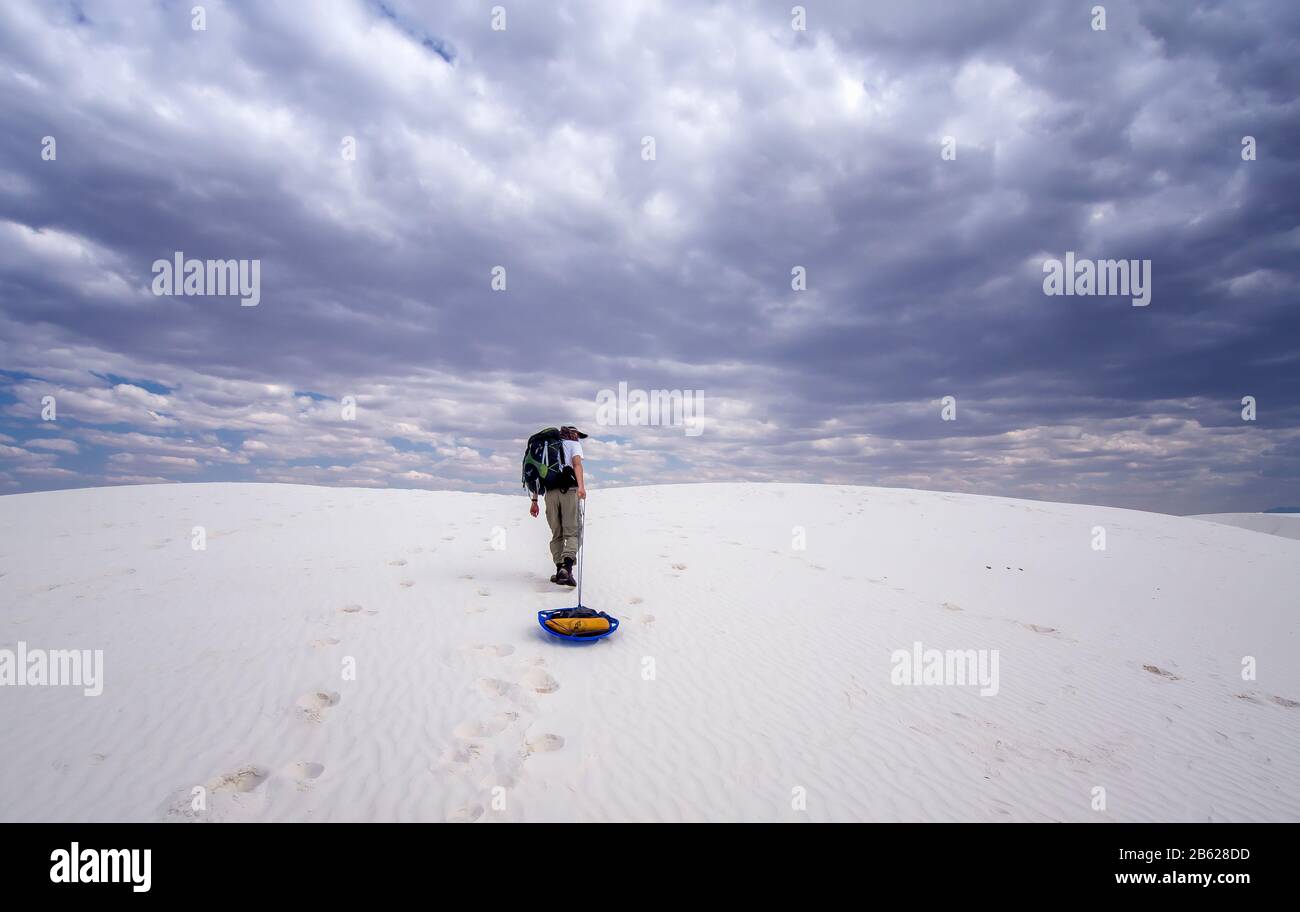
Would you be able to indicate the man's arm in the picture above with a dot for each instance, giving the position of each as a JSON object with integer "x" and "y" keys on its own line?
{"x": 582, "y": 485}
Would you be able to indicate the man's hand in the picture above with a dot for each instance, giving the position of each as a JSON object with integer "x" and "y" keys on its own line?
{"x": 582, "y": 492}
{"x": 533, "y": 509}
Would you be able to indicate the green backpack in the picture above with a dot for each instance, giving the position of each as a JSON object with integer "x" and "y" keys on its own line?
{"x": 544, "y": 466}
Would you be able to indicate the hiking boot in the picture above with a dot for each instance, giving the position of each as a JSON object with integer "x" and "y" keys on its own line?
{"x": 568, "y": 572}
{"x": 561, "y": 576}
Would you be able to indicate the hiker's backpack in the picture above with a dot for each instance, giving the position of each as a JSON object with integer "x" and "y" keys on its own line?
{"x": 544, "y": 465}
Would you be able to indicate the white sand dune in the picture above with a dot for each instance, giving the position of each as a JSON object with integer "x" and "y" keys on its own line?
{"x": 750, "y": 680}
{"x": 1285, "y": 524}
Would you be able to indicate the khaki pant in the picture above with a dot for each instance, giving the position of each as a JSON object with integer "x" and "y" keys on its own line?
{"x": 562, "y": 516}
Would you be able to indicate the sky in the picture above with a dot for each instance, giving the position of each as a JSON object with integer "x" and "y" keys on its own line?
{"x": 820, "y": 225}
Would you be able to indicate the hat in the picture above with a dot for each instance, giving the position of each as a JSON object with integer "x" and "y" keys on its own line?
{"x": 569, "y": 429}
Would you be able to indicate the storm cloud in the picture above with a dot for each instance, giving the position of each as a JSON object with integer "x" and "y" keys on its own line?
{"x": 776, "y": 149}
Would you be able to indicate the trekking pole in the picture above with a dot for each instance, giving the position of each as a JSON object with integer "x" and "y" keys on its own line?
{"x": 582, "y": 546}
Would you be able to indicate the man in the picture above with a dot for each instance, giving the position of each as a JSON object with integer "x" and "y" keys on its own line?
{"x": 562, "y": 507}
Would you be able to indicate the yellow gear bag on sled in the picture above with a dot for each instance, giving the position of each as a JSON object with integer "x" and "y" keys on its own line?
{"x": 578, "y": 626}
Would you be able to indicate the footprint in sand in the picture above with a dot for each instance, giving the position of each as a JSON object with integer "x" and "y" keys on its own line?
{"x": 496, "y": 652}
{"x": 949, "y": 606}
{"x": 324, "y": 641}
{"x": 1283, "y": 701}
{"x": 406, "y": 584}
{"x": 304, "y": 771}
{"x": 460, "y": 757}
{"x": 397, "y": 563}
{"x": 478, "y": 610}
{"x": 244, "y": 779}
{"x": 1161, "y": 672}
{"x": 449, "y": 538}
{"x": 539, "y": 681}
{"x": 679, "y": 566}
{"x": 467, "y": 814}
{"x": 473, "y": 729}
{"x": 647, "y": 619}
{"x": 351, "y": 609}
{"x": 1037, "y": 629}
{"x": 494, "y": 687}
{"x": 635, "y": 600}
{"x": 312, "y": 706}
{"x": 544, "y": 744}
{"x": 484, "y": 590}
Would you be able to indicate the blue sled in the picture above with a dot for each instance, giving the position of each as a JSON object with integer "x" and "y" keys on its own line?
{"x": 544, "y": 616}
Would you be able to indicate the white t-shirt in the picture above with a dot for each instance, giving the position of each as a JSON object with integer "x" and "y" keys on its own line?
{"x": 571, "y": 448}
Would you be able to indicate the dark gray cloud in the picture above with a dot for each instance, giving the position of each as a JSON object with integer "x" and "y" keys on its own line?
{"x": 775, "y": 148}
